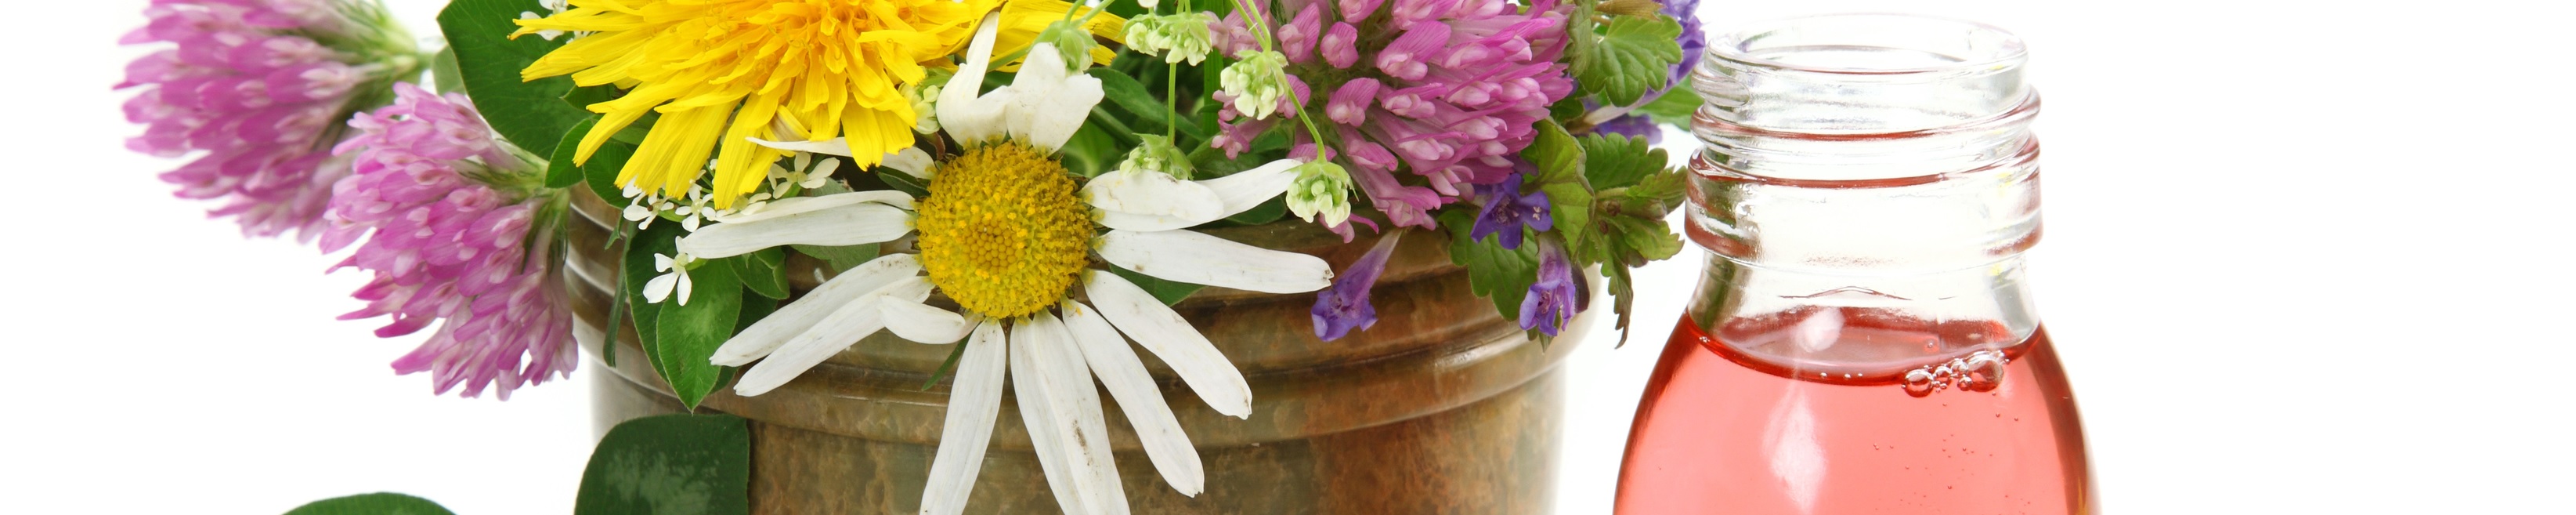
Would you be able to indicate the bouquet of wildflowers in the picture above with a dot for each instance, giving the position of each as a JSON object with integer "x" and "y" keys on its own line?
{"x": 1046, "y": 167}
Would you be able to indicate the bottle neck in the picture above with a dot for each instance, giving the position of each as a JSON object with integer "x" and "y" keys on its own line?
{"x": 1865, "y": 171}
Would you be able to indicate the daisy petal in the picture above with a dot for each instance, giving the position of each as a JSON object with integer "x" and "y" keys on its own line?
{"x": 800, "y": 205}
{"x": 921, "y": 323}
{"x": 961, "y": 113}
{"x": 1153, "y": 194}
{"x": 836, "y": 331}
{"x": 1076, "y": 402}
{"x": 834, "y": 146}
{"x": 911, "y": 161}
{"x": 772, "y": 331}
{"x": 1171, "y": 338}
{"x": 1238, "y": 193}
{"x": 852, "y": 224}
{"x": 1047, "y": 432}
{"x": 1118, "y": 369}
{"x": 1191, "y": 257}
{"x": 974, "y": 403}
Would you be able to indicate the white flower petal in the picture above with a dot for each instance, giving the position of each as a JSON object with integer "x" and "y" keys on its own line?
{"x": 1050, "y": 102}
{"x": 770, "y": 332}
{"x": 1075, "y": 417}
{"x": 974, "y": 404}
{"x": 1171, "y": 338}
{"x": 660, "y": 287}
{"x": 1154, "y": 194}
{"x": 1047, "y": 432}
{"x": 1194, "y": 258}
{"x": 911, "y": 161}
{"x": 800, "y": 205}
{"x": 1237, "y": 193}
{"x": 853, "y": 224}
{"x": 921, "y": 323}
{"x": 683, "y": 274}
{"x": 834, "y": 146}
{"x": 1118, "y": 369}
{"x": 961, "y": 113}
{"x": 838, "y": 330}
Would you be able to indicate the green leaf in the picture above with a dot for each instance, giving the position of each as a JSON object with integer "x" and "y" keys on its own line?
{"x": 692, "y": 464}
{"x": 1269, "y": 211}
{"x": 1498, "y": 274}
{"x": 443, "y": 73}
{"x": 1615, "y": 161}
{"x": 956, "y": 352}
{"x": 560, "y": 171}
{"x": 1092, "y": 151}
{"x": 639, "y": 269}
{"x": 601, "y": 172}
{"x": 841, "y": 259}
{"x": 764, "y": 272}
{"x": 582, "y": 97}
{"x": 1559, "y": 160}
{"x": 1631, "y": 57}
{"x": 527, "y": 113}
{"x": 1170, "y": 292}
{"x": 1130, "y": 95}
{"x": 1675, "y": 107}
{"x": 691, "y": 331}
{"x": 382, "y": 503}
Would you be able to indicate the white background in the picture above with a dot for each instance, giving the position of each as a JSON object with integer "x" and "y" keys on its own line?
{"x": 2300, "y": 259}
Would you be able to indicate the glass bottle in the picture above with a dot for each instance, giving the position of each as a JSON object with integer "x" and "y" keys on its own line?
{"x": 1862, "y": 341}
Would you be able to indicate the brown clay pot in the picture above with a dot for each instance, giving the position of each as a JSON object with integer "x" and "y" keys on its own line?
{"x": 1442, "y": 407}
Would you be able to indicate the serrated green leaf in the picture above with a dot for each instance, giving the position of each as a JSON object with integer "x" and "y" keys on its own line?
{"x": 1501, "y": 275}
{"x": 1170, "y": 292}
{"x": 691, "y": 331}
{"x": 443, "y": 73}
{"x": 527, "y": 113}
{"x": 1616, "y": 161}
{"x": 1631, "y": 56}
{"x": 1675, "y": 107}
{"x": 381, "y": 503}
{"x": 693, "y": 464}
{"x": 1560, "y": 159}
{"x": 560, "y": 170}
{"x": 764, "y": 271}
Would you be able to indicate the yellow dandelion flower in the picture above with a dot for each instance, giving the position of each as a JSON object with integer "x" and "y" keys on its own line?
{"x": 723, "y": 72}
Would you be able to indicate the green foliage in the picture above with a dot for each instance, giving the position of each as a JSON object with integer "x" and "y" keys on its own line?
{"x": 639, "y": 269}
{"x": 382, "y": 503}
{"x": 1496, "y": 273}
{"x": 1560, "y": 162}
{"x": 692, "y": 464}
{"x": 691, "y": 331}
{"x": 527, "y": 113}
{"x": 1626, "y": 58}
{"x": 764, "y": 272}
{"x": 443, "y": 74}
{"x": 1132, "y": 96}
{"x": 1674, "y": 108}
{"x": 1615, "y": 161}
{"x": 560, "y": 171}
{"x": 600, "y": 173}
{"x": 1170, "y": 292}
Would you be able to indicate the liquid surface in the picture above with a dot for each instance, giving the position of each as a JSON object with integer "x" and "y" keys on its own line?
{"x": 1855, "y": 415}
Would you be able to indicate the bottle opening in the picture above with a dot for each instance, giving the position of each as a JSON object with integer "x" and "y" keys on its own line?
{"x": 1849, "y": 74}
{"x": 1870, "y": 44}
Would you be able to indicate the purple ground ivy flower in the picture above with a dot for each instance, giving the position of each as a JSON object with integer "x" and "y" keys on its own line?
{"x": 1345, "y": 306}
{"x": 1426, "y": 113}
{"x": 449, "y": 247}
{"x": 257, "y": 90}
{"x": 1559, "y": 293}
{"x": 1507, "y": 211}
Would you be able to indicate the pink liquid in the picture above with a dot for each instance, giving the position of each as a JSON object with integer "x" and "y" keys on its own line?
{"x": 1888, "y": 418}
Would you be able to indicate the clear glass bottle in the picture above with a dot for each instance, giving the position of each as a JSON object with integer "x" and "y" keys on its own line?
{"x": 1863, "y": 341}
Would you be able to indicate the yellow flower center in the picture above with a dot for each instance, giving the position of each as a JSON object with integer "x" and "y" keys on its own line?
{"x": 1001, "y": 231}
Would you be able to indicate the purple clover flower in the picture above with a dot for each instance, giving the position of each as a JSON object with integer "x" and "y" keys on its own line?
{"x": 260, "y": 87}
{"x": 1557, "y": 296}
{"x": 1345, "y": 306}
{"x": 1448, "y": 100}
{"x": 1507, "y": 211}
{"x": 447, "y": 246}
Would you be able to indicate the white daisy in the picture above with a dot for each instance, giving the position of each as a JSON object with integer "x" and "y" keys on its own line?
{"x": 1005, "y": 233}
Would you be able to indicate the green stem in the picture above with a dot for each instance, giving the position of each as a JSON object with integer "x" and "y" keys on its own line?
{"x": 1260, "y": 25}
